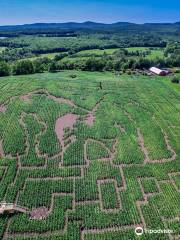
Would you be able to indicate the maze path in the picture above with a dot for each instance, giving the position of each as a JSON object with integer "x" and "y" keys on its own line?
{"x": 109, "y": 159}
{"x": 119, "y": 205}
{"x": 145, "y": 151}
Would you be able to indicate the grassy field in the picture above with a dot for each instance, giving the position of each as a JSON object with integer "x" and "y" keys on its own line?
{"x": 76, "y": 59}
{"x": 155, "y": 52}
{"x": 100, "y": 161}
{"x": 85, "y": 54}
{"x": 45, "y": 55}
{"x": 158, "y": 53}
{"x": 96, "y": 52}
{"x": 80, "y": 56}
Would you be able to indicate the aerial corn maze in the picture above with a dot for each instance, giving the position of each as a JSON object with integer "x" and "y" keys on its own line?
{"x": 90, "y": 157}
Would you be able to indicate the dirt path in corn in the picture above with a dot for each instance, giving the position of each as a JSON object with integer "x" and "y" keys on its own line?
{"x": 90, "y": 117}
{"x": 1, "y": 149}
{"x": 62, "y": 100}
{"x": 2, "y": 109}
{"x": 28, "y": 96}
{"x": 67, "y": 122}
{"x": 142, "y": 146}
{"x": 146, "y": 153}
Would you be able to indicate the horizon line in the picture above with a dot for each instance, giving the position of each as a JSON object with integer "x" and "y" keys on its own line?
{"x": 105, "y": 23}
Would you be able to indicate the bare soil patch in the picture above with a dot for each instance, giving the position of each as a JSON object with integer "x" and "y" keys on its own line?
{"x": 90, "y": 119}
{"x": 39, "y": 213}
{"x": 142, "y": 145}
{"x": 1, "y": 150}
{"x": 26, "y": 97}
{"x": 66, "y": 121}
{"x": 2, "y": 108}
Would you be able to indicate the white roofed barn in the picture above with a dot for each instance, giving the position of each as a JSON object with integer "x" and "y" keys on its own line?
{"x": 159, "y": 71}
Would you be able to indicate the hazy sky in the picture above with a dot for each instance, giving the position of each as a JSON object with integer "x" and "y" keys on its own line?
{"x": 139, "y": 11}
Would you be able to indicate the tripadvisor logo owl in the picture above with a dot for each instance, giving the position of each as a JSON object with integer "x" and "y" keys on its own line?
{"x": 139, "y": 231}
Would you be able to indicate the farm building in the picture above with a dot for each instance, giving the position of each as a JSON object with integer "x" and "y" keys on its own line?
{"x": 159, "y": 71}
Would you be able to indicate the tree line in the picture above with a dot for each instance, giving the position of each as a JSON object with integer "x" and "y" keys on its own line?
{"x": 121, "y": 60}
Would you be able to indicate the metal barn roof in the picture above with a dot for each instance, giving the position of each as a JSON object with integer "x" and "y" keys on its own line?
{"x": 158, "y": 71}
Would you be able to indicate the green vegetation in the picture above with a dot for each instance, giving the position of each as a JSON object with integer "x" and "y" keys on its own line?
{"x": 4, "y": 69}
{"x": 149, "y": 186}
{"x": 96, "y": 52}
{"x": 151, "y": 53}
{"x": 2, "y": 49}
{"x": 129, "y": 60}
{"x": 103, "y": 171}
{"x": 131, "y": 49}
{"x": 175, "y": 80}
{"x": 89, "y": 142}
{"x": 96, "y": 151}
{"x": 23, "y": 67}
{"x": 109, "y": 196}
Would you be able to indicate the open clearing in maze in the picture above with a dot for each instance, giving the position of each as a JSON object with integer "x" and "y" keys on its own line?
{"x": 89, "y": 163}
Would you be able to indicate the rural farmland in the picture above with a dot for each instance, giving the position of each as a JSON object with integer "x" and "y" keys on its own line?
{"x": 89, "y": 155}
{"x": 89, "y": 120}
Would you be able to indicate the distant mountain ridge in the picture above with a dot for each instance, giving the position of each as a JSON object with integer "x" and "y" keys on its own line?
{"x": 83, "y": 25}
{"x": 87, "y": 24}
